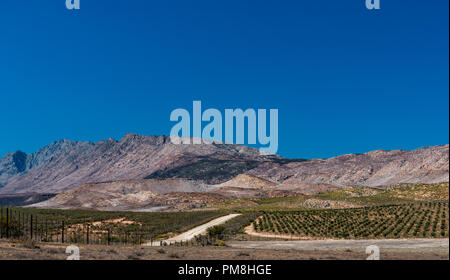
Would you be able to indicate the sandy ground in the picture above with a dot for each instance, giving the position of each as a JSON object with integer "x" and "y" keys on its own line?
{"x": 50, "y": 251}
{"x": 190, "y": 234}
{"x": 405, "y": 245}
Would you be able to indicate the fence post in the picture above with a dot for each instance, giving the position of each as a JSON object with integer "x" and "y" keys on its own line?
{"x": 36, "y": 225}
{"x": 23, "y": 225}
{"x": 109, "y": 234}
{"x": 62, "y": 232}
{"x": 27, "y": 224}
{"x": 87, "y": 234}
{"x": 7, "y": 222}
{"x": 31, "y": 227}
{"x": 19, "y": 231}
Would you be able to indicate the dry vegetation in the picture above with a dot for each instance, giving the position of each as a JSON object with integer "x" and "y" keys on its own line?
{"x": 25, "y": 250}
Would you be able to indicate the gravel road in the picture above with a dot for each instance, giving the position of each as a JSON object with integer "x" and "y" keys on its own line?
{"x": 190, "y": 234}
{"x": 419, "y": 244}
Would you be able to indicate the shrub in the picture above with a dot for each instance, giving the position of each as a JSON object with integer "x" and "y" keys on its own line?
{"x": 220, "y": 244}
{"x": 216, "y": 231}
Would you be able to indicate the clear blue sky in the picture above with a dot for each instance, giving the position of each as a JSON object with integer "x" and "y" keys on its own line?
{"x": 345, "y": 79}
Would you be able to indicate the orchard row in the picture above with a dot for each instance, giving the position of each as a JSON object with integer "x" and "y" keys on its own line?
{"x": 424, "y": 220}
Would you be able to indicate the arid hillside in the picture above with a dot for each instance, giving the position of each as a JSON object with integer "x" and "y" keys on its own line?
{"x": 376, "y": 168}
{"x": 144, "y": 170}
{"x": 141, "y": 195}
{"x": 66, "y": 164}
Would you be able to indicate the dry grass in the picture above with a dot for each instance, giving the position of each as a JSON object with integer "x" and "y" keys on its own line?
{"x": 46, "y": 251}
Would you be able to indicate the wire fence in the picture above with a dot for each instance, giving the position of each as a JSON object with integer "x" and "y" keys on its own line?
{"x": 15, "y": 224}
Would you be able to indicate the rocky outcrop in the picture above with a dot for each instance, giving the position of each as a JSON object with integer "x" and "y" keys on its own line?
{"x": 376, "y": 168}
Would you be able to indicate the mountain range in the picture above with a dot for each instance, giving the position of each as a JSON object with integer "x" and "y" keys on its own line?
{"x": 65, "y": 164}
{"x": 142, "y": 172}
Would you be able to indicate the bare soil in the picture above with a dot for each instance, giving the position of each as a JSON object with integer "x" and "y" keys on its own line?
{"x": 14, "y": 250}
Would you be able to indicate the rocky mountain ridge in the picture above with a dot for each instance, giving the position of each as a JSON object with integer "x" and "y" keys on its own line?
{"x": 373, "y": 169}
{"x": 65, "y": 165}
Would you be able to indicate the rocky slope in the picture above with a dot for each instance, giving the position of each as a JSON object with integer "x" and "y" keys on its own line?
{"x": 67, "y": 164}
{"x": 273, "y": 177}
{"x": 156, "y": 194}
{"x": 141, "y": 172}
{"x": 248, "y": 181}
{"x": 23, "y": 199}
{"x": 376, "y": 168}
{"x": 10, "y": 165}
{"x": 142, "y": 195}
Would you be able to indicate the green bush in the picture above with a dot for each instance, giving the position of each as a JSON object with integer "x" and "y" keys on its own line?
{"x": 216, "y": 231}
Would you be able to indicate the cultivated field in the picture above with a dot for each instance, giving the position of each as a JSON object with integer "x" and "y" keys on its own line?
{"x": 346, "y": 197}
{"x": 411, "y": 215}
{"x": 425, "y": 220}
{"x": 98, "y": 227}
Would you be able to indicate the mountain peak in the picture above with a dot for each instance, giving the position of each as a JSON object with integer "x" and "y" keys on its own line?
{"x": 130, "y": 136}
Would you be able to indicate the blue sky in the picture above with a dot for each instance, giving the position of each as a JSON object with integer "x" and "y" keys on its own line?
{"x": 345, "y": 79}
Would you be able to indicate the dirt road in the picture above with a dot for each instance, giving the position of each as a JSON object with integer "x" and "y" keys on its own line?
{"x": 190, "y": 234}
{"x": 413, "y": 245}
